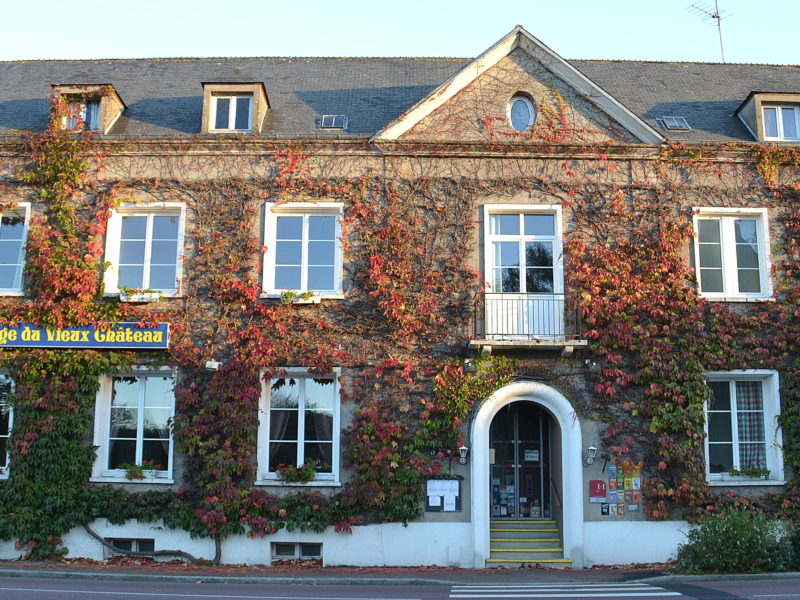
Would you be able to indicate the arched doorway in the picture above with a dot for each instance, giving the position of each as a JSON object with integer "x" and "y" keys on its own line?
{"x": 538, "y": 407}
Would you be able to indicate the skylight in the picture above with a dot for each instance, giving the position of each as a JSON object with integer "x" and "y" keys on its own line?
{"x": 332, "y": 122}
{"x": 674, "y": 123}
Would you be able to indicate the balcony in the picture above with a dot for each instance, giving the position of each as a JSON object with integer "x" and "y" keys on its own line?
{"x": 526, "y": 321}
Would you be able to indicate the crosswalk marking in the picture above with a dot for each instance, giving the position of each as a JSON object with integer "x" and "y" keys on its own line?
{"x": 567, "y": 590}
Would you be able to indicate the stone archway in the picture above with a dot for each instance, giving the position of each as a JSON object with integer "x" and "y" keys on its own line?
{"x": 570, "y": 475}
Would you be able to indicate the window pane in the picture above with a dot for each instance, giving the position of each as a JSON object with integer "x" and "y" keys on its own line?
{"x": 134, "y": 228}
{"x": 747, "y": 256}
{"x": 289, "y": 228}
{"x": 242, "y": 112}
{"x": 520, "y": 115}
{"x": 746, "y": 231}
{"x": 711, "y": 256}
{"x": 164, "y": 252}
{"x": 287, "y": 278}
{"x": 10, "y": 252}
{"x": 319, "y": 426}
{"x": 10, "y": 277}
{"x": 708, "y": 231}
{"x": 159, "y": 392}
{"x": 223, "y": 112}
{"x": 540, "y": 224}
{"x": 506, "y": 254}
{"x": 711, "y": 280}
{"x": 163, "y": 277}
{"x": 156, "y": 452}
{"x": 321, "y": 453}
{"x": 539, "y": 281}
{"x": 770, "y": 123}
{"x": 320, "y": 278}
{"x": 131, "y": 277}
{"x": 720, "y": 458}
{"x": 121, "y": 452}
{"x": 124, "y": 422}
{"x": 789, "y": 124}
{"x": 320, "y": 393}
{"x": 126, "y": 392}
{"x": 283, "y": 424}
{"x": 321, "y": 253}
{"x": 719, "y": 397}
{"x": 282, "y": 453}
{"x": 165, "y": 227}
{"x": 749, "y": 281}
{"x": 5, "y": 419}
{"x": 321, "y": 228}
{"x": 752, "y": 456}
{"x": 131, "y": 252}
{"x": 309, "y": 550}
{"x": 504, "y": 224}
{"x": 284, "y": 393}
{"x": 507, "y": 280}
{"x": 539, "y": 254}
{"x": 288, "y": 253}
{"x": 748, "y": 395}
{"x": 719, "y": 427}
{"x": 12, "y": 228}
{"x": 156, "y": 423}
{"x": 3, "y": 452}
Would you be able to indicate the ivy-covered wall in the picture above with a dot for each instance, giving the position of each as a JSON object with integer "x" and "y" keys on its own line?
{"x": 412, "y": 261}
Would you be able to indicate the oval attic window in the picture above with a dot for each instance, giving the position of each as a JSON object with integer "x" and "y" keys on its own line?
{"x": 521, "y": 113}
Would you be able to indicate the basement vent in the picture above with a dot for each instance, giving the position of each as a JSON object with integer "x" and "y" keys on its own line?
{"x": 674, "y": 123}
{"x": 332, "y": 122}
{"x": 131, "y": 545}
{"x": 295, "y": 551}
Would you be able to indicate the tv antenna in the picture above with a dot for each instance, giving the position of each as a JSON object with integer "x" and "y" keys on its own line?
{"x": 711, "y": 12}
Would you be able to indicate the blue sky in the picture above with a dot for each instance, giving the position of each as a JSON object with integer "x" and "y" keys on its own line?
{"x": 754, "y": 31}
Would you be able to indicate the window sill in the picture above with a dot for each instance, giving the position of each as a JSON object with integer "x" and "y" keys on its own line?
{"x": 313, "y": 300}
{"x": 18, "y": 294}
{"x": 316, "y": 483}
{"x": 744, "y": 481}
{"x": 737, "y": 298}
{"x": 114, "y": 479}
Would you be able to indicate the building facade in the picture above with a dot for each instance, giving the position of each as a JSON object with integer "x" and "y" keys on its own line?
{"x": 395, "y": 311}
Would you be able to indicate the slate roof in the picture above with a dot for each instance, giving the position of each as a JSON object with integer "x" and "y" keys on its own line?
{"x": 165, "y": 96}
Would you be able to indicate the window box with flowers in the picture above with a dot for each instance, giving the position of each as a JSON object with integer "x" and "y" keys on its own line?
{"x": 302, "y": 474}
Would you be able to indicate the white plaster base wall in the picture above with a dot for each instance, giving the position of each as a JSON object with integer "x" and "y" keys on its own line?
{"x": 626, "y": 542}
{"x": 443, "y": 544}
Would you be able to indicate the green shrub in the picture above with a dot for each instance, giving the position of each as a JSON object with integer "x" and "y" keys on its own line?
{"x": 736, "y": 541}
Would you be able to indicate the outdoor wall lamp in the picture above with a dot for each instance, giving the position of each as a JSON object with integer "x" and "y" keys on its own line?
{"x": 463, "y": 450}
{"x": 591, "y": 452}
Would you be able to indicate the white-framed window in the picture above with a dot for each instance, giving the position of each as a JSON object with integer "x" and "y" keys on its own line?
{"x": 133, "y": 423}
{"x": 296, "y": 550}
{"x": 83, "y": 114}
{"x": 524, "y": 249}
{"x": 6, "y": 423}
{"x": 742, "y": 431}
{"x": 231, "y": 112}
{"x": 521, "y": 113}
{"x": 13, "y": 234}
{"x": 304, "y": 251}
{"x": 732, "y": 253}
{"x": 781, "y": 122}
{"x": 523, "y": 264}
{"x": 144, "y": 245}
{"x": 299, "y": 423}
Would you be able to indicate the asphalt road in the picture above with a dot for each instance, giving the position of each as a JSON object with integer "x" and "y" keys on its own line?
{"x": 30, "y": 588}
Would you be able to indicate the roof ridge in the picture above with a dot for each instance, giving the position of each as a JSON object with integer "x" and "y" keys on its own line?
{"x": 204, "y": 58}
{"x": 679, "y": 62}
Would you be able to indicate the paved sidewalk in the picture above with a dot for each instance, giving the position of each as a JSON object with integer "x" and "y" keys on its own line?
{"x": 321, "y": 575}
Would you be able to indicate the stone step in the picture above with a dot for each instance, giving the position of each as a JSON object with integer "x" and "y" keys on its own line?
{"x": 515, "y": 562}
{"x": 502, "y": 543}
{"x": 529, "y": 529}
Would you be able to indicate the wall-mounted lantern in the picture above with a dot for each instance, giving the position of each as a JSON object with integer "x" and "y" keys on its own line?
{"x": 463, "y": 450}
{"x": 591, "y": 452}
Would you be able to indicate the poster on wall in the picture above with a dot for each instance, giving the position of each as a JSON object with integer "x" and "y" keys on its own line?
{"x": 598, "y": 491}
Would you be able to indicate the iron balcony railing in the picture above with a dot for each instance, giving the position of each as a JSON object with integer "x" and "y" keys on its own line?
{"x": 514, "y": 316}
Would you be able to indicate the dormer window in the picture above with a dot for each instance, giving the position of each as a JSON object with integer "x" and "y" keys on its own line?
{"x": 83, "y": 115}
{"x": 88, "y": 107}
{"x": 232, "y": 112}
{"x": 781, "y": 122}
{"x": 234, "y": 107}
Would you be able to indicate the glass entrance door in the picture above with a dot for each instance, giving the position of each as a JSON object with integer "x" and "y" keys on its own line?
{"x": 519, "y": 457}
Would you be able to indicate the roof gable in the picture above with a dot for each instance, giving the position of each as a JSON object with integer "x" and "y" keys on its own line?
{"x": 516, "y": 44}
